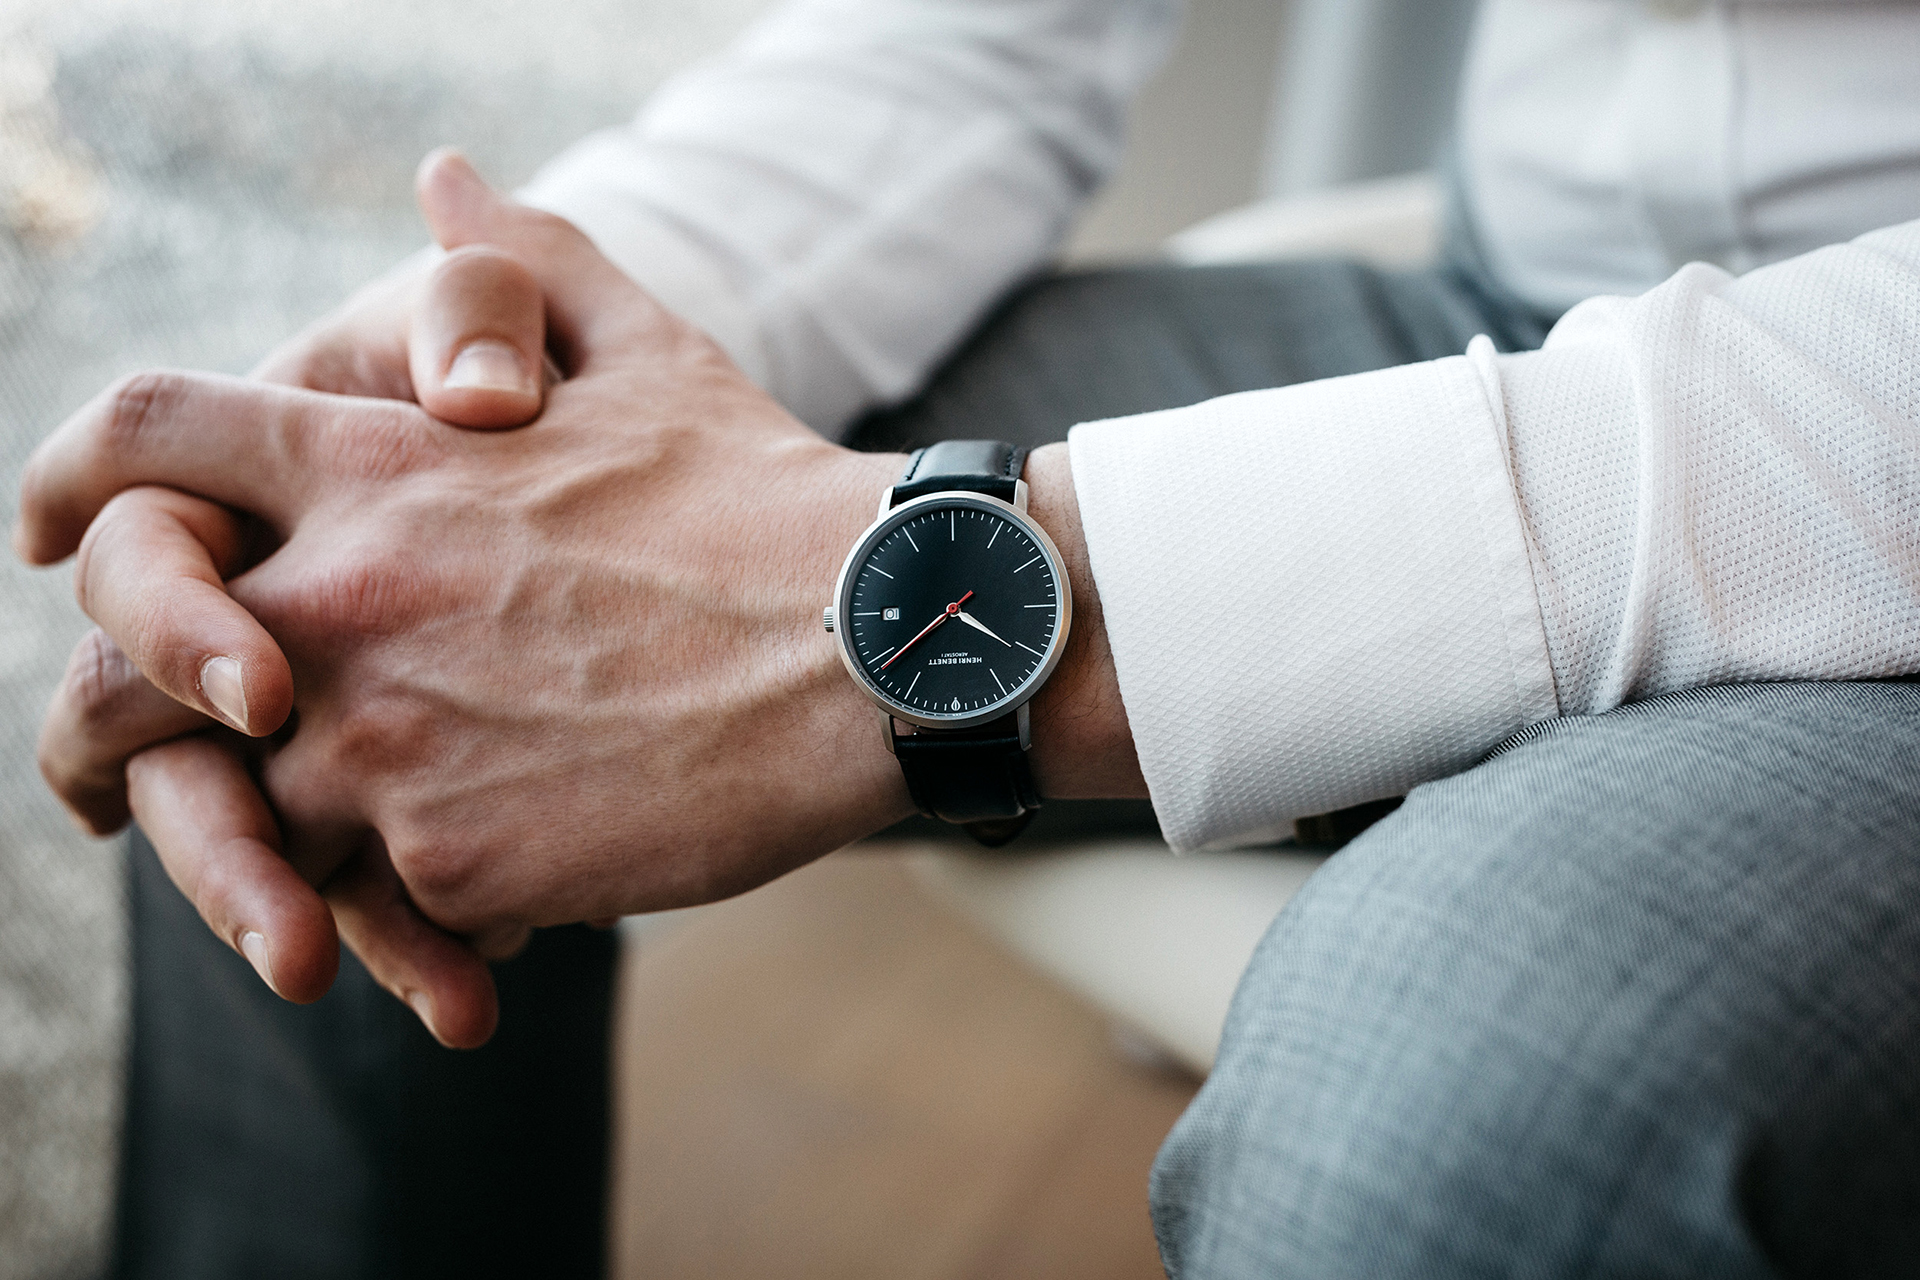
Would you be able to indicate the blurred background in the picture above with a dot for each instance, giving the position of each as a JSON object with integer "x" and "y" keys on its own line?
{"x": 187, "y": 183}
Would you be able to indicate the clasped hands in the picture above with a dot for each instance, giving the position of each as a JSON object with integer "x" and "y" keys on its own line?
{"x": 364, "y": 674}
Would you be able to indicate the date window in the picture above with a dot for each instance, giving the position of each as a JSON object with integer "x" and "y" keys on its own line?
{"x": 890, "y": 615}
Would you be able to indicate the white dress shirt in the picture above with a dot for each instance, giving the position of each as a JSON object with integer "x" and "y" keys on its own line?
{"x": 1325, "y": 594}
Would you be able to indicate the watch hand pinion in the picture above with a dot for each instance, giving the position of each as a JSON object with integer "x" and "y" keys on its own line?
{"x": 950, "y": 611}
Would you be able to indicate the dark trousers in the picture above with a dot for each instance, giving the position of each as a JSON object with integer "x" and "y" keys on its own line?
{"x": 338, "y": 1139}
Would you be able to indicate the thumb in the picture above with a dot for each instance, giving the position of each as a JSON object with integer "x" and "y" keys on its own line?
{"x": 592, "y": 306}
{"x": 477, "y": 351}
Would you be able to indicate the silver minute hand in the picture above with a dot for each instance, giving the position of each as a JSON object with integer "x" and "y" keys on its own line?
{"x": 978, "y": 625}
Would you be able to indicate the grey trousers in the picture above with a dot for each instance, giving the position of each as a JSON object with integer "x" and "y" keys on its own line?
{"x": 1638, "y": 996}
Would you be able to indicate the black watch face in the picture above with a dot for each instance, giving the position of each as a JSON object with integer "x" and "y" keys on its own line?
{"x": 951, "y": 608}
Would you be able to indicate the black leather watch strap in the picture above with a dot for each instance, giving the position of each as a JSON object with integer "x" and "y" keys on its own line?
{"x": 979, "y": 466}
{"x": 976, "y": 777}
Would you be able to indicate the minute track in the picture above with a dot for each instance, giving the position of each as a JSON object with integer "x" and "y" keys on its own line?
{"x": 901, "y": 574}
{"x": 961, "y": 689}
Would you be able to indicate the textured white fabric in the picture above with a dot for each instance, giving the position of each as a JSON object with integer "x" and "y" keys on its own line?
{"x": 1604, "y": 144}
{"x": 840, "y": 196}
{"x": 1300, "y": 595}
{"x": 1324, "y": 594}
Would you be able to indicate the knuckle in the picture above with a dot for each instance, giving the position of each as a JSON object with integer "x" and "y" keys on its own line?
{"x": 441, "y": 877}
{"x": 385, "y": 442}
{"x": 387, "y": 731}
{"x": 351, "y": 598}
{"x": 354, "y": 597}
{"x": 81, "y": 769}
{"x": 138, "y": 401}
{"x": 98, "y": 680}
{"x": 375, "y": 744}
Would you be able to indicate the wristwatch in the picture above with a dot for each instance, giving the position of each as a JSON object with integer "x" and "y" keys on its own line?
{"x": 951, "y": 611}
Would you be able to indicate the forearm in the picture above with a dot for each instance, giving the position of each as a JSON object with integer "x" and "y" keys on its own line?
{"x": 838, "y": 196}
{"x": 1326, "y": 594}
{"x": 1082, "y": 747}
{"x": 1719, "y": 476}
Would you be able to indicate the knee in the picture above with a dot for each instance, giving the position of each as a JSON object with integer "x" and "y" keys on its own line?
{"x": 1396, "y": 1098}
{"x": 1384, "y": 1108}
{"x": 1546, "y": 1019}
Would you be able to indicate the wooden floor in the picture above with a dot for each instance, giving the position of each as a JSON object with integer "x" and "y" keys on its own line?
{"x": 832, "y": 1077}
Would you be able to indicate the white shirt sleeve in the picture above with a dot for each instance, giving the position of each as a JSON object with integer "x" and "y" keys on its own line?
{"x": 839, "y": 196}
{"x": 1329, "y": 593}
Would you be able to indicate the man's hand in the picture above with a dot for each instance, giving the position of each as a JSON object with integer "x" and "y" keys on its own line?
{"x": 464, "y": 335}
{"x": 556, "y": 674}
{"x": 546, "y": 675}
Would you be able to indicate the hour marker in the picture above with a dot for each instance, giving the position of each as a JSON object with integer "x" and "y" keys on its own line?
{"x": 1030, "y": 649}
{"x": 874, "y": 613}
{"x": 996, "y": 680}
{"x": 949, "y": 526}
{"x": 916, "y": 546}
{"x": 1016, "y": 570}
{"x": 916, "y": 680}
{"x": 996, "y": 533}
{"x": 885, "y": 654}
{"x": 1048, "y": 605}
{"x": 883, "y": 573}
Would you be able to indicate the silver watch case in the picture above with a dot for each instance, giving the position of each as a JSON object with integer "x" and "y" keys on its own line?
{"x": 890, "y": 517}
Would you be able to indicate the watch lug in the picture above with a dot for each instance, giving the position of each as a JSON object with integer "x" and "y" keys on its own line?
{"x": 886, "y": 732}
{"x": 1024, "y": 723}
{"x": 1019, "y": 494}
{"x": 886, "y": 500}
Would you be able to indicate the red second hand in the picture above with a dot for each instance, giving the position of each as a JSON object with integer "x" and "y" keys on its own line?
{"x": 938, "y": 619}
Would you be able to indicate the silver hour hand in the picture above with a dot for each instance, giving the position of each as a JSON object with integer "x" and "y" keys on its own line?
{"x": 978, "y": 625}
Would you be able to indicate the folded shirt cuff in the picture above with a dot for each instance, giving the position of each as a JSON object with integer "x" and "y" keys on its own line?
{"x": 1316, "y": 596}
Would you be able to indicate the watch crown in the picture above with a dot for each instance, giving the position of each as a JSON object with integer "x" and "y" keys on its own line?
{"x": 826, "y": 618}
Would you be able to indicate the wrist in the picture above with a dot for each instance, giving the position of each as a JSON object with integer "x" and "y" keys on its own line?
{"x": 1082, "y": 746}
{"x": 861, "y": 775}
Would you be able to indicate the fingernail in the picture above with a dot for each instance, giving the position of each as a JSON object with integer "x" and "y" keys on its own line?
{"x": 220, "y": 681}
{"x": 423, "y": 1006}
{"x": 491, "y": 366}
{"x": 254, "y": 947}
